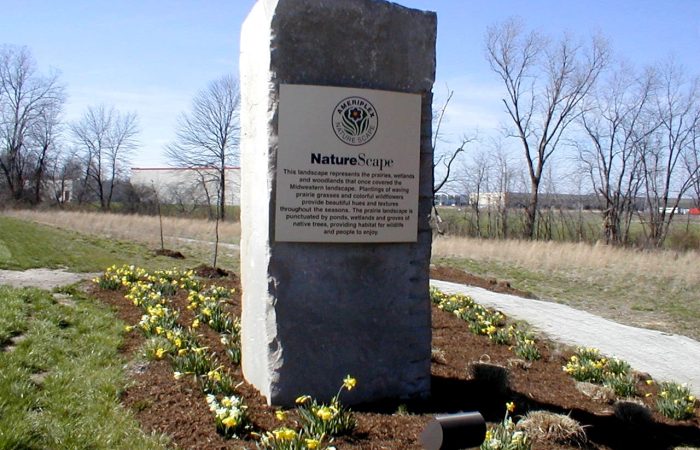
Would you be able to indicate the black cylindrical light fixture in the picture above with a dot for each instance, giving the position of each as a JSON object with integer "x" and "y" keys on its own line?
{"x": 454, "y": 431}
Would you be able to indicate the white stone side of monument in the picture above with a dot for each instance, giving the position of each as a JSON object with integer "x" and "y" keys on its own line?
{"x": 259, "y": 335}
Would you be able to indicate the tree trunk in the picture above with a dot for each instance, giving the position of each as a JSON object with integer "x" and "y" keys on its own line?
{"x": 531, "y": 210}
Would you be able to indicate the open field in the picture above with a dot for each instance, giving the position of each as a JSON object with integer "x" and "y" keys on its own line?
{"x": 562, "y": 226}
{"x": 659, "y": 289}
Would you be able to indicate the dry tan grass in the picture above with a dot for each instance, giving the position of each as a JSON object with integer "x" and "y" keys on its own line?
{"x": 544, "y": 426}
{"x": 132, "y": 227}
{"x": 563, "y": 256}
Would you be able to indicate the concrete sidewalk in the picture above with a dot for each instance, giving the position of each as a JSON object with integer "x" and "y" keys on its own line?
{"x": 666, "y": 357}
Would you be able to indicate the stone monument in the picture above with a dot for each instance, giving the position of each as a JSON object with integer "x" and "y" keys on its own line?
{"x": 336, "y": 191}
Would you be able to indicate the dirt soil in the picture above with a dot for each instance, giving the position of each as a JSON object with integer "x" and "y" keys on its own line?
{"x": 178, "y": 408}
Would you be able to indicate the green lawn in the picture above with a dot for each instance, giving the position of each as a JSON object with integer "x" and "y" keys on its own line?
{"x": 60, "y": 382}
{"x": 25, "y": 245}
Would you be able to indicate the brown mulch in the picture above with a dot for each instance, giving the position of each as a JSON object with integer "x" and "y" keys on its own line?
{"x": 169, "y": 253}
{"x": 492, "y": 284}
{"x": 178, "y": 408}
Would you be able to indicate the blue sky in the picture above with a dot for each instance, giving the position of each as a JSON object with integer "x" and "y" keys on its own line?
{"x": 152, "y": 56}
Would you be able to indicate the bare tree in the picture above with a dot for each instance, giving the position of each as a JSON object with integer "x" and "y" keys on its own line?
{"x": 43, "y": 137}
{"x": 677, "y": 106}
{"x": 106, "y": 139}
{"x": 503, "y": 175}
{"x": 616, "y": 120}
{"x": 208, "y": 137}
{"x": 64, "y": 169}
{"x": 545, "y": 82}
{"x": 475, "y": 178}
{"x": 691, "y": 163}
{"x": 29, "y": 109}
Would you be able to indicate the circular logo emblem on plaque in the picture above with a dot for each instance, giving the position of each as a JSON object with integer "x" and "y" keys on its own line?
{"x": 355, "y": 121}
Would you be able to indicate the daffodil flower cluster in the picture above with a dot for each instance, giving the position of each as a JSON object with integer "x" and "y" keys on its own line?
{"x": 158, "y": 320}
{"x": 675, "y": 401}
{"x": 587, "y": 364}
{"x": 318, "y": 421}
{"x": 151, "y": 292}
{"x": 487, "y": 322}
{"x": 285, "y": 438}
{"x": 331, "y": 419}
{"x": 504, "y": 435}
{"x": 115, "y": 277}
{"x": 230, "y": 413}
{"x": 208, "y": 306}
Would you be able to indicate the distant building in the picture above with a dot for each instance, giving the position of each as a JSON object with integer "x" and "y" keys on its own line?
{"x": 450, "y": 199}
{"x": 556, "y": 201}
{"x": 188, "y": 185}
{"x": 59, "y": 191}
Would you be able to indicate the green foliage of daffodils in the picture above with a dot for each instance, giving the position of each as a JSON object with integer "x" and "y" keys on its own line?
{"x": 166, "y": 338}
{"x": 60, "y": 384}
{"x": 675, "y": 401}
{"x": 319, "y": 419}
{"x": 504, "y": 436}
{"x": 587, "y": 364}
{"x": 488, "y": 322}
{"x": 318, "y": 422}
{"x": 27, "y": 245}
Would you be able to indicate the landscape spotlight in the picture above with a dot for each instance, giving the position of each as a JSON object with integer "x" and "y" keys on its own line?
{"x": 454, "y": 431}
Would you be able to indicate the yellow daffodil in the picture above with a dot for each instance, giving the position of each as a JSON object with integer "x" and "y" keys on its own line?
{"x": 230, "y": 422}
{"x": 160, "y": 352}
{"x": 284, "y": 434}
{"x": 214, "y": 375}
{"x": 324, "y": 413}
{"x": 281, "y": 415}
{"x": 312, "y": 443}
{"x": 510, "y": 406}
{"x": 349, "y": 382}
{"x": 302, "y": 399}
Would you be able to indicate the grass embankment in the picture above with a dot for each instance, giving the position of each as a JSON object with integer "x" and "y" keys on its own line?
{"x": 25, "y": 245}
{"x": 61, "y": 375}
{"x": 658, "y": 290}
{"x": 192, "y": 237}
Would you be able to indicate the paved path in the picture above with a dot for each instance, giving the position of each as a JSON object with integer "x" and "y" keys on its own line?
{"x": 664, "y": 356}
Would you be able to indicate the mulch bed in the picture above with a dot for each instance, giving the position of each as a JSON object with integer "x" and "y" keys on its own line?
{"x": 178, "y": 408}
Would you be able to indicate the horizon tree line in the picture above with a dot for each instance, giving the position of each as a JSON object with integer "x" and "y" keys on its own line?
{"x": 41, "y": 153}
{"x": 631, "y": 132}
